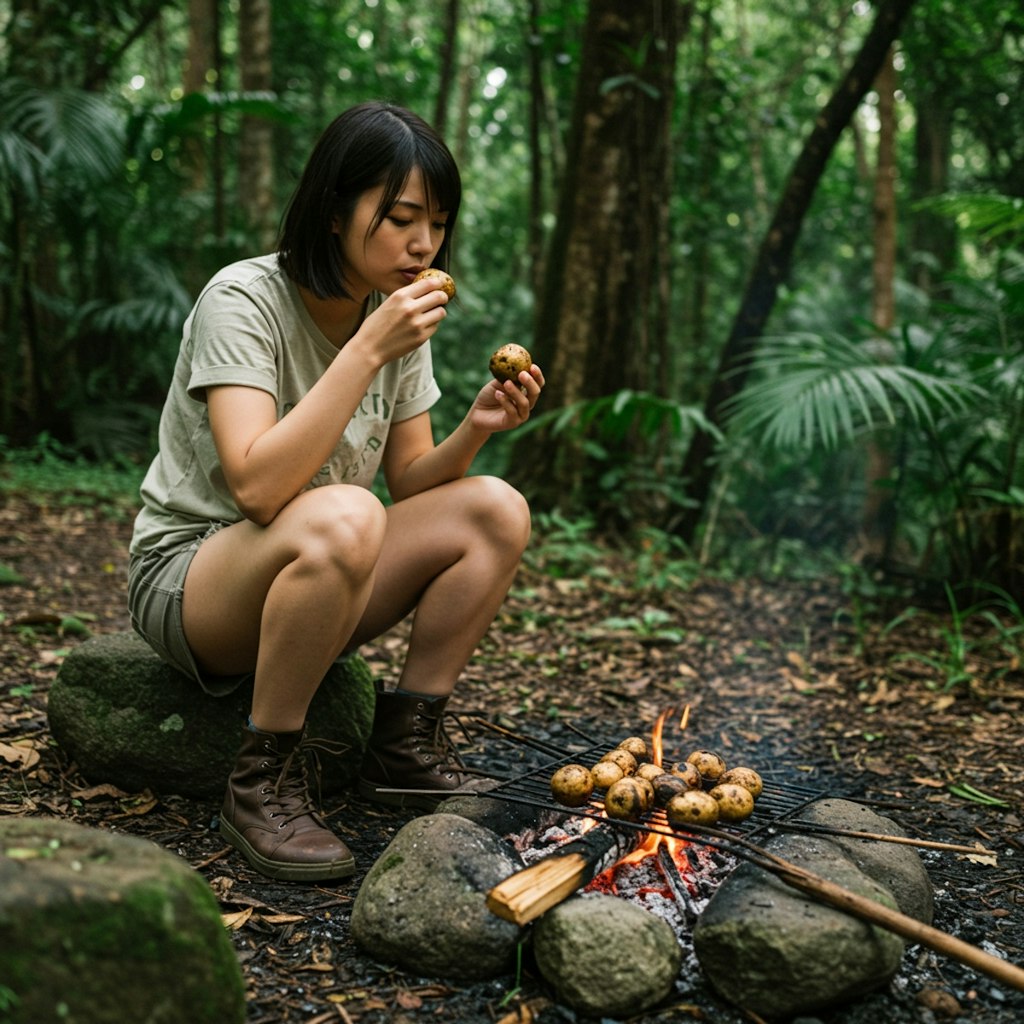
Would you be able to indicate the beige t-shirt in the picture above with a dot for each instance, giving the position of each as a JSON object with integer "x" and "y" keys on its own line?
{"x": 250, "y": 327}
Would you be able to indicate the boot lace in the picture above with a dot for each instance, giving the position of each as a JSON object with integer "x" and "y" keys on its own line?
{"x": 292, "y": 785}
{"x": 441, "y": 746}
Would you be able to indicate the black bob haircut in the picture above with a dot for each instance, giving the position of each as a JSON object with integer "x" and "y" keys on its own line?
{"x": 367, "y": 146}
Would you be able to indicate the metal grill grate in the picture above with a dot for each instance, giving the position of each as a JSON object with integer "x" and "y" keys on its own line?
{"x": 777, "y": 803}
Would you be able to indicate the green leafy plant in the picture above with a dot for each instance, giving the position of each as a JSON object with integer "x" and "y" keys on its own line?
{"x": 1000, "y": 612}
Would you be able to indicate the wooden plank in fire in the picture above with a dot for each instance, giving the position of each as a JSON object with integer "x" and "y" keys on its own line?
{"x": 524, "y": 896}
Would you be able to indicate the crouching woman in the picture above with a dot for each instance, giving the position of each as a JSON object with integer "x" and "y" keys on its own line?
{"x": 260, "y": 550}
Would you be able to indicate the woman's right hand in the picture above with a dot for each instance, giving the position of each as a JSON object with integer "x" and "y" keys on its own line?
{"x": 406, "y": 319}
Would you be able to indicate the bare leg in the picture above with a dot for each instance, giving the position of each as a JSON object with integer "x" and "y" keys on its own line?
{"x": 285, "y": 599}
{"x": 451, "y": 553}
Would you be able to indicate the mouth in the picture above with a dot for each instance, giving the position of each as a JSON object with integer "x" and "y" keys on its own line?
{"x": 409, "y": 273}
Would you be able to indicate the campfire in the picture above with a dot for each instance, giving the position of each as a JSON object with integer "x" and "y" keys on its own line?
{"x": 581, "y": 843}
{"x": 607, "y": 848}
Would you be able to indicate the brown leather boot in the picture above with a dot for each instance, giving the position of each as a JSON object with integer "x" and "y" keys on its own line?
{"x": 269, "y": 816}
{"x": 409, "y": 749}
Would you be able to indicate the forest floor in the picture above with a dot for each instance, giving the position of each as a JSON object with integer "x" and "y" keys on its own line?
{"x": 925, "y": 717}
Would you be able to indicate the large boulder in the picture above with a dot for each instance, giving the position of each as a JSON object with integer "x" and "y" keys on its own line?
{"x": 606, "y": 957}
{"x": 422, "y": 907}
{"x": 126, "y": 717}
{"x": 99, "y": 928}
{"x": 768, "y": 948}
{"x": 899, "y": 868}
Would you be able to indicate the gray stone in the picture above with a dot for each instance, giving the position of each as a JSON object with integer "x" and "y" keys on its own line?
{"x": 899, "y": 868}
{"x": 505, "y": 817}
{"x": 97, "y": 928}
{"x": 769, "y": 949}
{"x": 127, "y": 718}
{"x": 604, "y": 956}
{"x": 422, "y": 907}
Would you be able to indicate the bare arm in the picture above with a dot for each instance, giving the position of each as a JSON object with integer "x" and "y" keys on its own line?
{"x": 267, "y": 461}
{"x": 413, "y": 464}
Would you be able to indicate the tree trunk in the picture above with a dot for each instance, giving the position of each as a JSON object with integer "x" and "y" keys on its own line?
{"x": 776, "y": 252}
{"x": 932, "y": 238}
{"x": 446, "y": 72}
{"x": 535, "y": 229}
{"x": 593, "y": 324}
{"x": 256, "y": 142}
{"x": 199, "y": 62}
{"x": 877, "y": 514}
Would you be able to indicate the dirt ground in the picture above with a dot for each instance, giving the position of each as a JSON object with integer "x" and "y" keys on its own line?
{"x": 792, "y": 678}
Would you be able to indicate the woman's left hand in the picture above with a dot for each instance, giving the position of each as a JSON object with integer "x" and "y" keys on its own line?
{"x": 504, "y": 405}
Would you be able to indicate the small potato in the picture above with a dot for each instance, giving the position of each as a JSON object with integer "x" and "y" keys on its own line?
{"x": 734, "y": 802}
{"x": 572, "y": 785}
{"x": 509, "y": 361}
{"x": 694, "y": 807}
{"x": 667, "y": 786}
{"x": 623, "y": 758}
{"x": 710, "y": 765}
{"x": 646, "y": 790}
{"x": 636, "y": 745}
{"x": 689, "y": 774}
{"x": 649, "y": 771}
{"x": 745, "y": 777}
{"x": 625, "y": 800}
{"x": 605, "y": 773}
{"x": 444, "y": 281}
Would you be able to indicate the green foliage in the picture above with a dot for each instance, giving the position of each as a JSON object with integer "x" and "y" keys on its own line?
{"x": 1003, "y": 618}
{"x": 813, "y": 389}
{"x": 62, "y": 474}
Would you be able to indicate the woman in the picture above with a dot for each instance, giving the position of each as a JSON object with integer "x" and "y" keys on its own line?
{"x": 260, "y": 550}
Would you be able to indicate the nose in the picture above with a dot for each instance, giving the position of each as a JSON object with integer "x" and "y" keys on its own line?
{"x": 420, "y": 241}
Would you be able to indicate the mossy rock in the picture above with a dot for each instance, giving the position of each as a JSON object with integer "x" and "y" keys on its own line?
{"x": 125, "y": 717}
{"x": 98, "y": 927}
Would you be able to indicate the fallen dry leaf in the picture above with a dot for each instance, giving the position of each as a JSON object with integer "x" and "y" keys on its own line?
{"x": 21, "y": 753}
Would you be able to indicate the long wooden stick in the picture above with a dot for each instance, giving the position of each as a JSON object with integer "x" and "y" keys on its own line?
{"x": 797, "y": 825}
{"x": 892, "y": 920}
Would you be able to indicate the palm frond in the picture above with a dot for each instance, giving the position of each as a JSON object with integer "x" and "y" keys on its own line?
{"x": 76, "y": 133}
{"x": 811, "y": 389}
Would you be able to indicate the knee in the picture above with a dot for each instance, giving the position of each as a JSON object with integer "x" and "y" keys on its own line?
{"x": 499, "y": 512}
{"x": 343, "y": 528}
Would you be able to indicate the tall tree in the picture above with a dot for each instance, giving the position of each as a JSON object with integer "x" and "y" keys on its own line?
{"x": 877, "y": 513}
{"x": 599, "y": 327}
{"x": 446, "y": 73}
{"x": 256, "y": 197}
{"x": 775, "y": 255}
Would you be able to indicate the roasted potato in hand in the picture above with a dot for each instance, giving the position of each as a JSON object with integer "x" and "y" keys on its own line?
{"x": 444, "y": 281}
{"x": 572, "y": 785}
{"x": 694, "y": 807}
{"x": 509, "y": 361}
{"x": 745, "y": 777}
{"x": 734, "y": 802}
{"x": 710, "y": 765}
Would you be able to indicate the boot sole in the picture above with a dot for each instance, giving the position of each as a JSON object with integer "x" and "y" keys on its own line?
{"x": 284, "y": 871}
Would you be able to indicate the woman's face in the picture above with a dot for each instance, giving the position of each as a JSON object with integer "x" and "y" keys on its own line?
{"x": 405, "y": 242}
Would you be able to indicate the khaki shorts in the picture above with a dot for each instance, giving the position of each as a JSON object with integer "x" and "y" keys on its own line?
{"x": 156, "y": 583}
